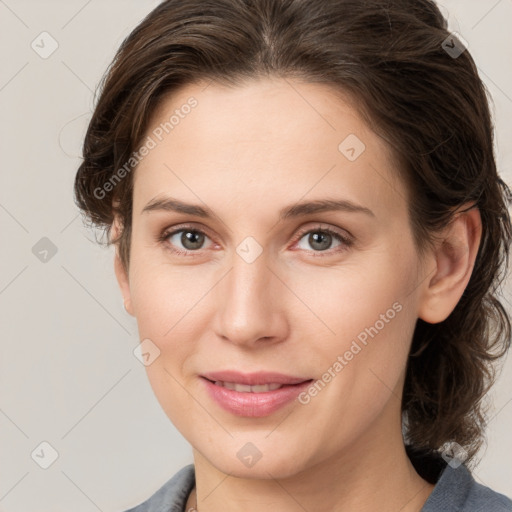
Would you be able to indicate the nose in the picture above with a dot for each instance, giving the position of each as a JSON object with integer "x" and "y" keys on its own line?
{"x": 251, "y": 304}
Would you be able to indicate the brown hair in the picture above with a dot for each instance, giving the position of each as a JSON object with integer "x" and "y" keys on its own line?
{"x": 429, "y": 105}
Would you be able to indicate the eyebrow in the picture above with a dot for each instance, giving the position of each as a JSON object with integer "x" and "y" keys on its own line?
{"x": 296, "y": 210}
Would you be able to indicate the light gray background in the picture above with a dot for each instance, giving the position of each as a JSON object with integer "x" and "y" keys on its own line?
{"x": 68, "y": 375}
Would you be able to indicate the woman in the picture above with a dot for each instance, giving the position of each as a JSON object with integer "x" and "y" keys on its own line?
{"x": 310, "y": 231}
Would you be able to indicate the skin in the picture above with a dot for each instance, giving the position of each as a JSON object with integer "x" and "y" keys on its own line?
{"x": 245, "y": 152}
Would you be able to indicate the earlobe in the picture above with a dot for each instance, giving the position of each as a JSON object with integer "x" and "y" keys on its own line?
{"x": 454, "y": 259}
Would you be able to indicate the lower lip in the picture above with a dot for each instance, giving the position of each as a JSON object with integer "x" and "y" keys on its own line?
{"x": 254, "y": 404}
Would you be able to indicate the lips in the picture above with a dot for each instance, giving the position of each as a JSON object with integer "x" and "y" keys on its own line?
{"x": 253, "y": 394}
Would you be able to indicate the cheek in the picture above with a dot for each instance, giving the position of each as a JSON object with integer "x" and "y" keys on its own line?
{"x": 165, "y": 296}
{"x": 346, "y": 300}
{"x": 364, "y": 319}
{"x": 168, "y": 306}
{"x": 168, "y": 302}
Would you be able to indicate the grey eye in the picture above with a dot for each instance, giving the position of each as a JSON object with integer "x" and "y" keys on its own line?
{"x": 189, "y": 239}
{"x": 319, "y": 240}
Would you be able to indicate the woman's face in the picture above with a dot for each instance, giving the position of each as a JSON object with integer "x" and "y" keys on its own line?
{"x": 260, "y": 286}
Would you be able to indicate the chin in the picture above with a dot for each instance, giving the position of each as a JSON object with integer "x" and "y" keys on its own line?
{"x": 248, "y": 461}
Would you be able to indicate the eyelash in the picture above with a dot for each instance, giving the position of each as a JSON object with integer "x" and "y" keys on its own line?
{"x": 346, "y": 241}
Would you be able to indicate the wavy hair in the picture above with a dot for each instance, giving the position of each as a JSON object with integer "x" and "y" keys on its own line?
{"x": 392, "y": 58}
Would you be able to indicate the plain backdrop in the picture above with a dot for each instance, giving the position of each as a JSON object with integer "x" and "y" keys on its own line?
{"x": 68, "y": 375}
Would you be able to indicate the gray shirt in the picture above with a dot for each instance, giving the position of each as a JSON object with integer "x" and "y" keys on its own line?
{"x": 455, "y": 491}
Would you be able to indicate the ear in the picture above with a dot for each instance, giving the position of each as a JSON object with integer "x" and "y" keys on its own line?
{"x": 452, "y": 263}
{"x": 121, "y": 273}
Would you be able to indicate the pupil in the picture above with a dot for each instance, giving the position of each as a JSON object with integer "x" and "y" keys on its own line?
{"x": 323, "y": 239}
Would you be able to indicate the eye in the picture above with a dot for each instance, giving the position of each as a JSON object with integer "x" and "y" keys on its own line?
{"x": 322, "y": 239}
{"x": 185, "y": 240}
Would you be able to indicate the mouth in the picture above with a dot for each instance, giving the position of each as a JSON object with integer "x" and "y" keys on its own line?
{"x": 260, "y": 395}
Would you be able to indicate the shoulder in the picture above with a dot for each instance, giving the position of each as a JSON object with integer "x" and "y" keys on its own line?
{"x": 457, "y": 491}
{"x": 172, "y": 496}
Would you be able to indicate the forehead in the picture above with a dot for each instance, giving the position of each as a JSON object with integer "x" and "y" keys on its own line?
{"x": 267, "y": 137}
